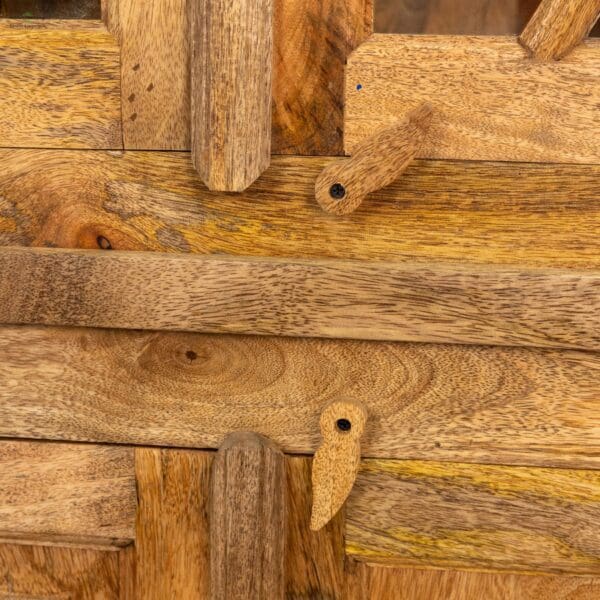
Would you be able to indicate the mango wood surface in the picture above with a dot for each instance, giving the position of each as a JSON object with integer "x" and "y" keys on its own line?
{"x": 558, "y": 26}
{"x": 435, "y": 302}
{"x": 231, "y": 87}
{"x": 67, "y": 491}
{"x": 60, "y": 85}
{"x": 473, "y": 404}
{"x": 494, "y": 213}
{"x": 475, "y": 516}
{"x": 491, "y": 102}
{"x": 365, "y": 582}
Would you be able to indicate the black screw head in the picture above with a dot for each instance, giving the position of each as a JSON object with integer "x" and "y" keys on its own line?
{"x": 343, "y": 425}
{"x": 337, "y": 191}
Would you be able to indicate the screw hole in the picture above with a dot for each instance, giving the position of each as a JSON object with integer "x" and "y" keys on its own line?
{"x": 337, "y": 191}
{"x": 343, "y": 425}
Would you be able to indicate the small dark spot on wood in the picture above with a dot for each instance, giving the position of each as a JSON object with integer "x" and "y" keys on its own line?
{"x": 136, "y": 67}
{"x": 150, "y": 87}
{"x": 191, "y": 355}
{"x": 103, "y": 243}
{"x": 131, "y": 98}
{"x": 437, "y": 445}
{"x": 133, "y": 117}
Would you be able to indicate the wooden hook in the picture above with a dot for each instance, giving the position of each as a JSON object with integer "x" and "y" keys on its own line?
{"x": 380, "y": 159}
{"x": 558, "y": 26}
{"x": 336, "y": 462}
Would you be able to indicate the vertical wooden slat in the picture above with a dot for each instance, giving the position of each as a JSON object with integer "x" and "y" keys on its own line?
{"x": 248, "y": 519}
{"x": 231, "y": 81}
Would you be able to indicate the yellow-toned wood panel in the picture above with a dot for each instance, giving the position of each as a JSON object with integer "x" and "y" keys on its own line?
{"x": 453, "y": 515}
{"x": 477, "y": 404}
{"x": 492, "y": 213}
{"x": 60, "y": 85}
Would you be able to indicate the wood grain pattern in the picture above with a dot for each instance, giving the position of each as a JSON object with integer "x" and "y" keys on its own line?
{"x": 248, "y": 519}
{"x": 47, "y": 573}
{"x": 67, "y": 490}
{"x": 377, "y": 161}
{"x": 50, "y": 9}
{"x": 436, "y": 302}
{"x": 491, "y": 103}
{"x": 558, "y": 26}
{"x": 461, "y": 403}
{"x": 365, "y": 582}
{"x": 172, "y": 523}
{"x": 494, "y": 213}
{"x": 155, "y": 64}
{"x": 231, "y": 84}
{"x": 60, "y": 85}
{"x": 474, "y": 516}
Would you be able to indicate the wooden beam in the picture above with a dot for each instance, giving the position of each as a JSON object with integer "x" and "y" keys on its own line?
{"x": 248, "y": 517}
{"x": 446, "y": 403}
{"x": 558, "y": 26}
{"x": 477, "y": 517}
{"x": 67, "y": 490}
{"x": 60, "y": 85}
{"x": 436, "y": 302}
{"x": 490, "y": 101}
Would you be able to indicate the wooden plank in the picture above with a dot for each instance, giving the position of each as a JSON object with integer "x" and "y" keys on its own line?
{"x": 248, "y": 517}
{"x": 231, "y": 83}
{"x": 436, "y": 302}
{"x": 172, "y": 527}
{"x": 365, "y": 582}
{"x": 558, "y": 26}
{"x": 491, "y": 103}
{"x": 474, "y": 516}
{"x": 66, "y": 490}
{"x": 60, "y": 85}
{"x": 47, "y": 573}
{"x": 50, "y": 9}
{"x": 155, "y": 201}
{"x": 461, "y": 403}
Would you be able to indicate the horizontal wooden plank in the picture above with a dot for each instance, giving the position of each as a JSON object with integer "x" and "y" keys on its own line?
{"x": 540, "y": 215}
{"x": 67, "y": 490}
{"x": 60, "y": 84}
{"x": 490, "y": 100}
{"x": 462, "y": 403}
{"x": 475, "y": 516}
{"x": 436, "y": 302}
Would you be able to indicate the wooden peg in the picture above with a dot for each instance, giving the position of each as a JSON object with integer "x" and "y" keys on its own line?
{"x": 336, "y": 462}
{"x": 380, "y": 159}
{"x": 558, "y": 26}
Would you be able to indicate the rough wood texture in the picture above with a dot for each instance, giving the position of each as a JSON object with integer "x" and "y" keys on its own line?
{"x": 50, "y": 9}
{"x": 67, "y": 490}
{"x": 60, "y": 85}
{"x": 172, "y": 526}
{"x": 47, "y": 573}
{"x": 558, "y": 26}
{"x": 376, "y": 162}
{"x": 248, "y": 519}
{"x": 231, "y": 83}
{"x": 155, "y": 63}
{"x": 462, "y": 403}
{"x": 313, "y": 39}
{"x": 337, "y": 460}
{"x": 490, "y": 102}
{"x": 475, "y": 516}
{"x": 155, "y": 201}
{"x": 436, "y": 302}
{"x": 365, "y": 582}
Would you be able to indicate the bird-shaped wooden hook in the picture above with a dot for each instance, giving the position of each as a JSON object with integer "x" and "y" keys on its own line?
{"x": 336, "y": 462}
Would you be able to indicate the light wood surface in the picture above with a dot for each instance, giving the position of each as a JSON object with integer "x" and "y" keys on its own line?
{"x": 365, "y": 582}
{"x": 155, "y": 63}
{"x": 558, "y": 26}
{"x": 231, "y": 87}
{"x": 155, "y": 201}
{"x": 60, "y": 85}
{"x": 474, "y": 516}
{"x": 337, "y": 460}
{"x": 172, "y": 528}
{"x": 376, "y": 162}
{"x": 461, "y": 403}
{"x": 490, "y": 103}
{"x": 67, "y": 490}
{"x": 436, "y": 302}
{"x": 248, "y": 519}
